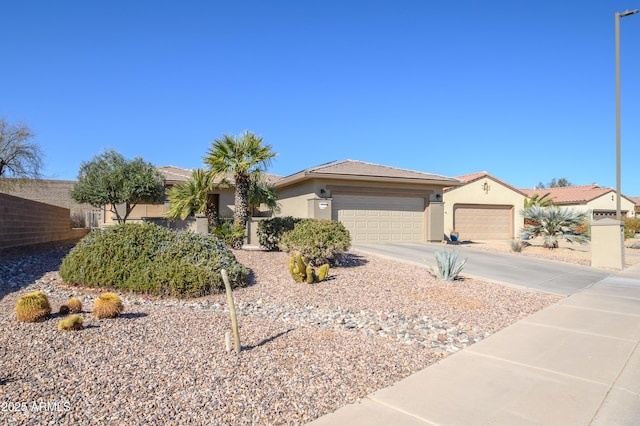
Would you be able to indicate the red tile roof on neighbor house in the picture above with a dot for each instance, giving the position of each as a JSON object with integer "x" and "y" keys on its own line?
{"x": 571, "y": 194}
{"x": 472, "y": 177}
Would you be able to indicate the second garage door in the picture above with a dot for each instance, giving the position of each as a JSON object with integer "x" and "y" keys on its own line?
{"x": 380, "y": 219}
{"x": 483, "y": 222}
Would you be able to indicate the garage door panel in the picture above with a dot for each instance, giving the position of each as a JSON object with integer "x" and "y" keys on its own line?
{"x": 484, "y": 222}
{"x": 380, "y": 219}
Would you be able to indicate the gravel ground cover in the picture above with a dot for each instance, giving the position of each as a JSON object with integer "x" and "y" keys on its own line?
{"x": 569, "y": 253}
{"x": 307, "y": 349}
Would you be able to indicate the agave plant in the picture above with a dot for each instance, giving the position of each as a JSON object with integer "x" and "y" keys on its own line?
{"x": 448, "y": 266}
{"x": 554, "y": 224}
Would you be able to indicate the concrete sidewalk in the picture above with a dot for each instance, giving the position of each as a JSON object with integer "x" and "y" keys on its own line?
{"x": 574, "y": 363}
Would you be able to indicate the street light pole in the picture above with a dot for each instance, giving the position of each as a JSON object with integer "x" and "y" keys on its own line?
{"x": 618, "y": 194}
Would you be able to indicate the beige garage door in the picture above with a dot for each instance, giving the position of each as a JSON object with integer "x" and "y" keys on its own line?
{"x": 483, "y": 222}
{"x": 380, "y": 219}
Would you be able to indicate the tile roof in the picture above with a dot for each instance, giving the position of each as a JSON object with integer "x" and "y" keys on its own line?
{"x": 636, "y": 200}
{"x": 472, "y": 177}
{"x": 350, "y": 169}
{"x": 173, "y": 174}
{"x": 571, "y": 194}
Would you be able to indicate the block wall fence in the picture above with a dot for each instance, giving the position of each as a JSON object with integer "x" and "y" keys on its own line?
{"x": 54, "y": 192}
{"x": 25, "y": 222}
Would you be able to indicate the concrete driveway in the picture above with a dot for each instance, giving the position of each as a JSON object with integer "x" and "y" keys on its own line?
{"x": 538, "y": 274}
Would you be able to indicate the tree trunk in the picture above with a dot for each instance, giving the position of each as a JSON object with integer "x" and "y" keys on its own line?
{"x": 241, "y": 206}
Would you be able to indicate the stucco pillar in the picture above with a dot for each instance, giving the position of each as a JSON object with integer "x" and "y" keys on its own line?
{"x": 607, "y": 244}
{"x": 202, "y": 224}
{"x": 435, "y": 221}
{"x": 319, "y": 208}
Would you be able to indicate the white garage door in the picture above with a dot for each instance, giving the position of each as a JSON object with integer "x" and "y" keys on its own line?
{"x": 380, "y": 219}
{"x": 483, "y": 222}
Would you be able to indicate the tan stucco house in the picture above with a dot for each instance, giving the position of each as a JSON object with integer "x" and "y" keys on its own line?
{"x": 601, "y": 202}
{"x": 636, "y": 200}
{"x": 376, "y": 203}
{"x": 483, "y": 208}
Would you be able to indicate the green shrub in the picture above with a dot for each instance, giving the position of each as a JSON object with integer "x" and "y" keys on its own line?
{"x": 448, "y": 266}
{"x": 631, "y": 226}
{"x": 33, "y": 307}
{"x": 270, "y": 231}
{"x": 319, "y": 241}
{"x": 108, "y": 305}
{"x": 147, "y": 258}
{"x": 228, "y": 231}
{"x": 70, "y": 323}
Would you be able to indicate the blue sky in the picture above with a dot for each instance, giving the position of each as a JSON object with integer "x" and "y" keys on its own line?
{"x": 522, "y": 89}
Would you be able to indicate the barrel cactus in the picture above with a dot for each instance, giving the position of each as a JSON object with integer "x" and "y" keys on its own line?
{"x": 108, "y": 305}
{"x": 70, "y": 323}
{"x": 33, "y": 307}
{"x": 74, "y": 305}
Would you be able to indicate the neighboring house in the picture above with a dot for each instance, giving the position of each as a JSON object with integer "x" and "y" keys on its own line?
{"x": 636, "y": 200}
{"x": 601, "y": 202}
{"x": 376, "y": 203}
{"x": 483, "y": 208}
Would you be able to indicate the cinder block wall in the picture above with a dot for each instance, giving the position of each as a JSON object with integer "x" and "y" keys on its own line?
{"x": 25, "y": 222}
{"x": 55, "y": 192}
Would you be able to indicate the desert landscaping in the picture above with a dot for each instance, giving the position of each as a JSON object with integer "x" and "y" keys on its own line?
{"x": 306, "y": 349}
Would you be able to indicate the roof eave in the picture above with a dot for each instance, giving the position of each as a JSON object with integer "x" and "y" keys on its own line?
{"x": 299, "y": 177}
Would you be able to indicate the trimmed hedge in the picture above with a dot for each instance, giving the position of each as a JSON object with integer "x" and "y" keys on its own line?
{"x": 319, "y": 241}
{"x": 146, "y": 258}
{"x": 270, "y": 231}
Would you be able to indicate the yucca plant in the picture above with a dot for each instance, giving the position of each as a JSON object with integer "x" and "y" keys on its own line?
{"x": 108, "y": 305}
{"x": 70, "y": 323}
{"x": 33, "y": 307}
{"x": 554, "y": 224}
{"x": 448, "y": 266}
{"x": 74, "y": 305}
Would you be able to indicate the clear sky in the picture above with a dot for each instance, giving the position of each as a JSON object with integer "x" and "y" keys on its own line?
{"x": 522, "y": 89}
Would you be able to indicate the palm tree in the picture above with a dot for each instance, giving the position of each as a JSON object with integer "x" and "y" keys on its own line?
{"x": 553, "y": 224}
{"x": 193, "y": 196}
{"x": 241, "y": 156}
{"x": 262, "y": 192}
{"x": 537, "y": 200}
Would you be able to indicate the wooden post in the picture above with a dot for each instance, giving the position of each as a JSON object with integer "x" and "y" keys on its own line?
{"x": 232, "y": 309}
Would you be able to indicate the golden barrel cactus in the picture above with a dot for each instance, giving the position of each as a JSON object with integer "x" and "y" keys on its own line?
{"x": 70, "y": 323}
{"x": 33, "y": 307}
{"x": 74, "y": 305}
{"x": 108, "y": 305}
